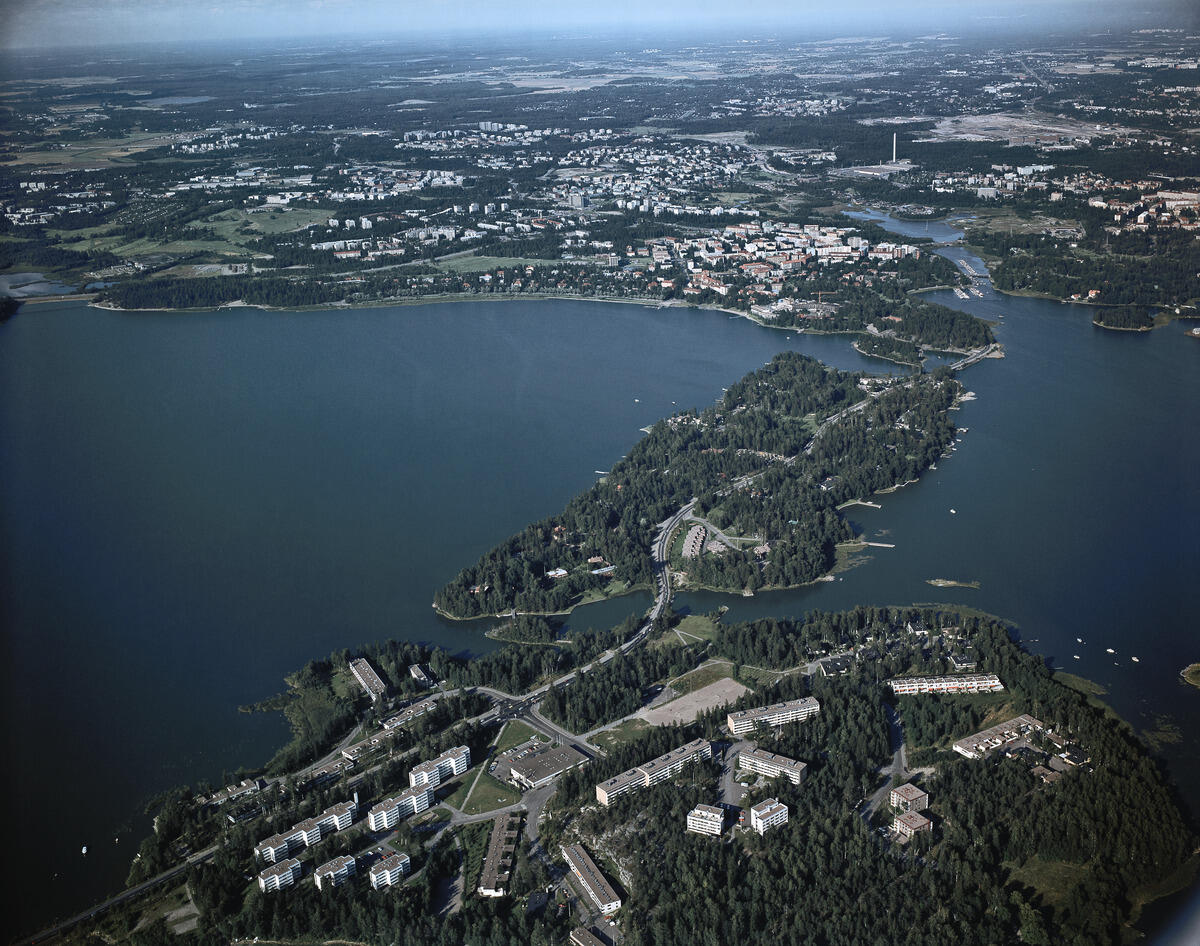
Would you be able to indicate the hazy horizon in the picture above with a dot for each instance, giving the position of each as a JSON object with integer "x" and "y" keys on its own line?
{"x": 34, "y": 24}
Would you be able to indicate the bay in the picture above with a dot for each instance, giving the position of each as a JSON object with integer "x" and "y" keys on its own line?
{"x": 193, "y": 505}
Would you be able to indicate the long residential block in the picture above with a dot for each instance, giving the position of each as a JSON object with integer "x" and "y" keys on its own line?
{"x": 771, "y": 765}
{"x": 449, "y": 764}
{"x": 502, "y": 849}
{"x": 365, "y": 674}
{"x": 387, "y": 814}
{"x": 307, "y": 832}
{"x": 744, "y": 721}
{"x": 280, "y": 875}
{"x": 336, "y": 872}
{"x": 389, "y": 871}
{"x": 409, "y": 713}
{"x": 958, "y": 683}
{"x": 988, "y": 740}
{"x": 590, "y": 878}
{"x": 581, "y": 936}
{"x": 654, "y": 771}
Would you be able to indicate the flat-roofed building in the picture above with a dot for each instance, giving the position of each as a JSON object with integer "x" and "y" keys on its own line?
{"x": 767, "y": 815}
{"x": 542, "y": 767}
{"x": 706, "y": 819}
{"x": 422, "y": 675}
{"x": 387, "y": 814}
{"x": 581, "y": 936}
{"x": 618, "y": 785}
{"x": 449, "y": 764}
{"x": 409, "y": 713}
{"x": 771, "y": 765}
{"x": 958, "y": 683}
{"x": 908, "y": 798}
{"x": 280, "y": 875}
{"x": 911, "y": 823}
{"x": 307, "y": 832}
{"x": 590, "y": 878}
{"x": 365, "y": 674}
{"x": 654, "y": 771}
{"x": 336, "y": 872}
{"x": 988, "y": 740}
{"x": 389, "y": 871}
{"x": 274, "y": 848}
{"x": 498, "y": 861}
{"x": 744, "y": 721}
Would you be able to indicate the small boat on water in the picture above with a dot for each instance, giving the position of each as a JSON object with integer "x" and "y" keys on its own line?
{"x": 1076, "y": 656}
{"x": 1110, "y": 650}
{"x": 84, "y": 850}
{"x": 1079, "y": 640}
{"x": 1135, "y": 660}
{"x": 954, "y": 512}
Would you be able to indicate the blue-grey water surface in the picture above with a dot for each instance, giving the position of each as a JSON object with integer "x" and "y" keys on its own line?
{"x": 193, "y": 505}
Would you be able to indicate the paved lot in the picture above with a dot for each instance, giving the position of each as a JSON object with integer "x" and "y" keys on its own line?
{"x": 690, "y": 705}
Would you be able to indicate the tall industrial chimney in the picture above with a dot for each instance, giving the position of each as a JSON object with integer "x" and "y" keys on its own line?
{"x": 893, "y": 147}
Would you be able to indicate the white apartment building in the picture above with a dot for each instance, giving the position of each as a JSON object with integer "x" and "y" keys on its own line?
{"x": 308, "y": 832}
{"x": 771, "y": 765}
{"x": 363, "y": 672}
{"x": 654, "y": 771}
{"x": 336, "y": 872}
{"x": 446, "y": 766}
{"x": 706, "y": 819}
{"x": 590, "y": 878}
{"x": 387, "y": 814}
{"x": 744, "y": 721}
{"x": 768, "y": 815}
{"x": 389, "y": 871}
{"x": 957, "y": 683}
{"x": 280, "y": 875}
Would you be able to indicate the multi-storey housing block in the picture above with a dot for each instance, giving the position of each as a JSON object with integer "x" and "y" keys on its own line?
{"x": 771, "y": 765}
{"x": 389, "y": 871}
{"x": 744, "y": 721}
{"x": 706, "y": 819}
{"x": 654, "y": 771}
{"x": 387, "y": 814}
{"x": 449, "y": 764}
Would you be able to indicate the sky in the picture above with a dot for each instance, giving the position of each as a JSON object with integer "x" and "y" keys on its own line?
{"x": 41, "y": 23}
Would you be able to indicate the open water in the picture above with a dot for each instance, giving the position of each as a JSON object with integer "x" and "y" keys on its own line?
{"x": 194, "y": 505}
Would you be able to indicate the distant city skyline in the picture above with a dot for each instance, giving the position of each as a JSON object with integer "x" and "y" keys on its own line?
{"x": 49, "y": 23}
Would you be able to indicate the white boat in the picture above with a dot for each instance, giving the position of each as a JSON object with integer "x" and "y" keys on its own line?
{"x": 1079, "y": 640}
{"x": 84, "y": 851}
{"x": 1076, "y": 656}
{"x": 1135, "y": 660}
{"x": 954, "y": 512}
{"x": 1110, "y": 650}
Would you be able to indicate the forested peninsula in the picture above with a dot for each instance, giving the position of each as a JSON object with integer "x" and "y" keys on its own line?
{"x": 768, "y": 464}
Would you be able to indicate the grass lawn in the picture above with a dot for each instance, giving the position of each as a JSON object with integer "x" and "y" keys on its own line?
{"x": 757, "y": 678}
{"x": 481, "y": 264}
{"x": 515, "y": 732}
{"x": 488, "y": 795}
{"x": 701, "y": 677}
{"x": 456, "y": 798}
{"x": 628, "y": 731}
{"x": 697, "y": 625}
{"x": 1054, "y": 880}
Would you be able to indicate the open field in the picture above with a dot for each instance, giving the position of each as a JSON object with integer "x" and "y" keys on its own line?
{"x": 619, "y": 735}
{"x": 489, "y": 794}
{"x": 690, "y": 705}
{"x": 515, "y": 732}
{"x": 480, "y": 264}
